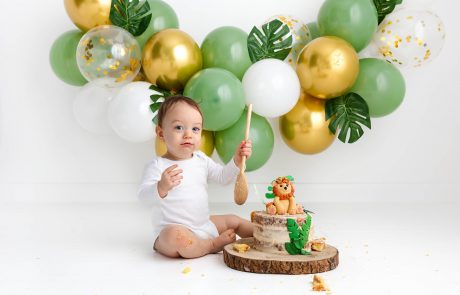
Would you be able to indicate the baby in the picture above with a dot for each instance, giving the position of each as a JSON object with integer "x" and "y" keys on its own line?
{"x": 177, "y": 184}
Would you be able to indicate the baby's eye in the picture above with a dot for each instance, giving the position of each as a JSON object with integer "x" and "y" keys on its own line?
{"x": 196, "y": 129}
{"x": 179, "y": 127}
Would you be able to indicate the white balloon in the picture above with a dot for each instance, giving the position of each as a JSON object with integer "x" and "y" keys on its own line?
{"x": 272, "y": 87}
{"x": 129, "y": 112}
{"x": 90, "y": 108}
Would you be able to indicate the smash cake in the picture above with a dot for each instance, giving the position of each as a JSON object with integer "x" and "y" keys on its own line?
{"x": 283, "y": 240}
{"x": 285, "y": 227}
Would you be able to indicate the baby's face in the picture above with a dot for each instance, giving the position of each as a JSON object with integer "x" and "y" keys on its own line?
{"x": 181, "y": 131}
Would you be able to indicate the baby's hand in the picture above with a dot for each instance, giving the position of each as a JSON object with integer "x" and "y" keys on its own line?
{"x": 244, "y": 149}
{"x": 170, "y": 178}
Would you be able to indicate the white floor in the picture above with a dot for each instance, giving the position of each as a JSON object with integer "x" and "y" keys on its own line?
{"x": 105, "y": 248}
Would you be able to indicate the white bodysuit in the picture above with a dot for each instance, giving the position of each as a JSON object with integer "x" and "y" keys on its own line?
{"x": 187, "y": 203}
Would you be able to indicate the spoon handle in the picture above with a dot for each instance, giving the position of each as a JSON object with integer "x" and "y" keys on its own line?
{"x": 246, "y": 134}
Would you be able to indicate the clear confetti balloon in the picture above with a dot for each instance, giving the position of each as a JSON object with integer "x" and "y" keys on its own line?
{"x": 409, "y": 37}
{"x": 300, "y": 36}
{"x": 108, "y": 55}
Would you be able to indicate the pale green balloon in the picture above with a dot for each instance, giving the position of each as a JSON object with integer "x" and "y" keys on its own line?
{"x": 381, "y": 85}
{"x": 220, "y": 95}
{"x": 352, "y": 20}
{"x": 163, "y": 17}
{"x": 227, "y": 48}
{"x": 62, "y": 58}
{"x": 260, "y": 133}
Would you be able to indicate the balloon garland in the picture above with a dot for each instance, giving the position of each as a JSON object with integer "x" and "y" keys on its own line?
{"x": 131, "y": 56}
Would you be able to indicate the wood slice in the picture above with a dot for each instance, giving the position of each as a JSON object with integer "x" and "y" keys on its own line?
{"x": 260, "y": 262}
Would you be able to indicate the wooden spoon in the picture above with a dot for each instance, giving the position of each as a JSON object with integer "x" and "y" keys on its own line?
{"x": 240, "y": 193}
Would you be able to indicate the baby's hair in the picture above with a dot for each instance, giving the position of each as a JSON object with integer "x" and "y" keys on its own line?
{"x": 170, "y": 102}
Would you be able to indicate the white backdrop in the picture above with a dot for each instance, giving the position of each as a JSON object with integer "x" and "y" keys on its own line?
{"x": 409, "y": 155}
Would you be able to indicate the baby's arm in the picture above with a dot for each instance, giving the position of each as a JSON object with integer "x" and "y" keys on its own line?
{"x": 156, "y": 184}
{"x": 170, "y": 178}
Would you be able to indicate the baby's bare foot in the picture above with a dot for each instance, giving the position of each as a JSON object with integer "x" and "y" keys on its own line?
{"x": 225, "y": 238}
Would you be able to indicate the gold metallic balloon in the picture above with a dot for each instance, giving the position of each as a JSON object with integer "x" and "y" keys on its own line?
{"x": 206, "y": 146}
{"x": 87, "y": 14}
{"x": 170, "y": 58}
{"x": 304, "y": 129}
{"x": 327, "y": 67}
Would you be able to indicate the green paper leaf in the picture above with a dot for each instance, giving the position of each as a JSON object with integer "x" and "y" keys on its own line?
{"x": 348, "y": 112}
{"x": 293, "y": 229}
{"x": 304, "y": 252}
{"x": 269, "y": 196}
{"x": 385, "y": 7}
{"x": 291, "y": 249}
{"x": 270, "y": 188}
{"x": 131, "y": 15}
{"x": 290, "y": 178}
{"x": 269, "y": 43}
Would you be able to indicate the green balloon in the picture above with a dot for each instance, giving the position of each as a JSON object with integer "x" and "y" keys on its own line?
{"x": 260, "y": 133}
{"x": 220, "y": 95}
{"x": 381, "y": 85}
{"x": 227, "y": 48}
{"x": 163, "y": 17}
{"x": 314, "y": 32}
{"x": 63, "y": 58}
{"x": 352, "y": 20}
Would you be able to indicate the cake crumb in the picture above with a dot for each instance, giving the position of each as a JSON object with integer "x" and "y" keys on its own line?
{"x": 241, "y": 248}
{"x": 186, "y": 270}
{"x": 319, "y": 284}
{"x": 318, "y": 244}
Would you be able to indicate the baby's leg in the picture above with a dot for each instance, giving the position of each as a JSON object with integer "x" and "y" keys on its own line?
{"x": 179, "y": 241}
{"x": 244, "y": 228}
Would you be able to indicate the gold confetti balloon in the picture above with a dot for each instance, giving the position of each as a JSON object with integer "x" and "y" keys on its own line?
{"x": 409, "y": 38}
{"x": 305, "y": 129}
{"x": 109, "y": 55}
{"x": 300, "y": 36}
{"x": 327, "y": 67}
{"x": 206, "y": 146}
{"x": 170, "y": 58}
{"x": 87, "y": 14}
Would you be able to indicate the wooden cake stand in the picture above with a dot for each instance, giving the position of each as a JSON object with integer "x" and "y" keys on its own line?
{"x": 260, "y": 262}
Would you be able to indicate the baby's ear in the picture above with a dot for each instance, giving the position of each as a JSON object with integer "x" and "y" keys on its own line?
{"x": 159, "y": 132}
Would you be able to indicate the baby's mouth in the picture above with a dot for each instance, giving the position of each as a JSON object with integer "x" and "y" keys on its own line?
{"x": 187, "y": 144}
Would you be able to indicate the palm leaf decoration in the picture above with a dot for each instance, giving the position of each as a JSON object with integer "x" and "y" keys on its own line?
{"x": 298, "y": 236}
{"x": 348, "y": 112}
{"x": 157, "y": 100}
{"x": 131, "y": 15}
{"x": 269, "y": 43}
{"x": 385, "y": 7}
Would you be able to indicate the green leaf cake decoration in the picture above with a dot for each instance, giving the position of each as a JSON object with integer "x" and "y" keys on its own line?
{"x": 298, "y": 236}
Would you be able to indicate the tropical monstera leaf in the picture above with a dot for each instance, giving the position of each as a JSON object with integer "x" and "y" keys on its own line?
{"x": 385, "y": 7}
{"x": 269, "y": 42}
{"x": 348, "y": 112}
{"x": 131, "y": 15}
{"x": 157, "y": 100}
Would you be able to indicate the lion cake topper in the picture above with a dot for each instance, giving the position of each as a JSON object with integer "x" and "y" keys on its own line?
{"x": 282, "y": 191}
